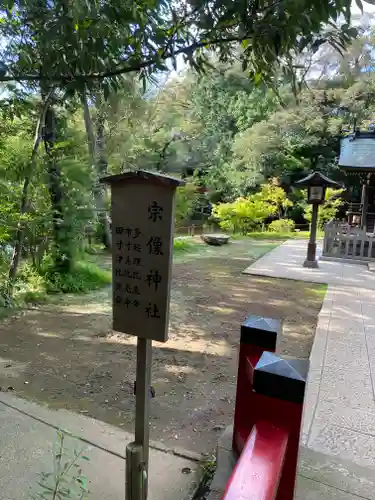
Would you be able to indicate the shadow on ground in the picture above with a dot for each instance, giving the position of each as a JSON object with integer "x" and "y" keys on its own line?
{"x": 67, "y": 355}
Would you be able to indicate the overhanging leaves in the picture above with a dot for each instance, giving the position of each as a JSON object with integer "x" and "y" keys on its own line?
{"x": 88, "y": 41}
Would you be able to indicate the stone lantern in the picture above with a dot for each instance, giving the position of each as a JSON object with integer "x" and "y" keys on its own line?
{"x": 316, "y": 184}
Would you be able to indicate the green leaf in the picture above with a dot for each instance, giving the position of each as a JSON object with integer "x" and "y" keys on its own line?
{"x": 257, "y": 78}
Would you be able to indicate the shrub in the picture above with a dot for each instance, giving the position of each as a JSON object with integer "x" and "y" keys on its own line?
{"x": 181, "y": 245}
{"x": 282, "y": 226}
{"x": 84, "y": 277}
{"x": 33, "y": 285}
{"x": 328, "y": 210}
{"x": 275, "y": 197}
{"x": 30, "y": 285}
{"x": 243, "y": 215}
{"x": 186, "y": 198}
{"x": 246, "y": 214}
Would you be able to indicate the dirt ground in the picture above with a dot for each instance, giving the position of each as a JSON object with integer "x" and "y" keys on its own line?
{"x": 66, "y": 355}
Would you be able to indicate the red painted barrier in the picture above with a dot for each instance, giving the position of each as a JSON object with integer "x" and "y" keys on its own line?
{"x": 258, "y": 469}
{"x": 257, "y": 335}
{"x": 267, "y": 424}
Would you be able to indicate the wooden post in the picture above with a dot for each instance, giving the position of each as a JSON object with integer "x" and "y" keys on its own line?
{"x": 364, "y": 202}
{"x": 280, "y": 387}
{"x": 144, "y": 360}
{"x": 267, "y": 467}
{"x": 257, "y": 335}
{"x": 316, "y": 184}
{"x": 311, "y": 246}
{"x": 142, "y": 234}
{"x": 135, "y": 486}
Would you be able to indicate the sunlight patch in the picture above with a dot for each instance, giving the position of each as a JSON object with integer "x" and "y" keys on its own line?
{"x": 176, "y": 369}
{"x": 221, "y": 310}
{"x": 50, "y": 335}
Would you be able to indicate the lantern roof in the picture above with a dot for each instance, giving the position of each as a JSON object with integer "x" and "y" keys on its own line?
{"x": 317, "y": 179}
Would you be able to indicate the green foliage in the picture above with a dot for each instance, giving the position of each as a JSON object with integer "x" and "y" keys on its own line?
{"x": 293, "y": 138}
{"x": 275, "y": 196}
{"x": 243, "y": 215}
{"x": 282, "y": 226}
{"x": 186, "y": 198}
{"x": 328, "y": 210}
{"x": 33, "y": 284}
{"x": 30, "y": 285}
{"x": 113, "y": 47}
{"x": 182, "y": 245}
{"x": 211, "y": 123}
{"x": 85, "y": 276}
{"x": 66, "y": 481}
{"x": 246, "y": 214}
{"x": 207, "y": 468}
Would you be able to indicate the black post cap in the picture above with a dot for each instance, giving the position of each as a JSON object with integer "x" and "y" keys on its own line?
{"x": 281, "y": 377}
{"x": 260, "y": 331}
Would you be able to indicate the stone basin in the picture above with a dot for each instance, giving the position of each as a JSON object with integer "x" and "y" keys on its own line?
{"x": 215, "y": 239}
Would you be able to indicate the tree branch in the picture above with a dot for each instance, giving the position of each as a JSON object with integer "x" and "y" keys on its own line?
{"x": 125, "y": 69}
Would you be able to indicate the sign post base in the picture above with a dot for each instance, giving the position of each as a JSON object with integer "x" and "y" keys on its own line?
{"x": 312, "y": 264}
{"x": 136, "y": 476}
{"x": 311, "y": 256}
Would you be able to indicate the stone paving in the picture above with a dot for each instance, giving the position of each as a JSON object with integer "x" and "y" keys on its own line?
{"x": 286, "y": 261}
{"x": 339, "y": 415}
{"x": 29, "y": 433}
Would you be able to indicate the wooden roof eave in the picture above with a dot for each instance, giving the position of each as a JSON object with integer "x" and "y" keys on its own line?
{"x": 358, "y": 170}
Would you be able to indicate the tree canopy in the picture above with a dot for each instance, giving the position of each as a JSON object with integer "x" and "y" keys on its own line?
{"x": 87, "y": 41}
{"x": 83, "y": 97}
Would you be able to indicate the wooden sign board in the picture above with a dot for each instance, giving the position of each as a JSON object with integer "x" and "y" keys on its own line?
{"x": 142, "y": 245}
{"x": 316, "y": 194}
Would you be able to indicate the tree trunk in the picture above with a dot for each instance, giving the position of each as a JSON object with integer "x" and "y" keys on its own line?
{"x": 102, "y": 168}
{"x": 62, "y": 245}
{"x": 17, "y": 250}
{"x": 99, "y": 165}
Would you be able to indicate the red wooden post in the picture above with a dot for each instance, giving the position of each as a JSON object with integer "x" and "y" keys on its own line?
{"x": 267, "y": 467}
{"x": 257, "y": 335}
{"x": 279, "y": 386}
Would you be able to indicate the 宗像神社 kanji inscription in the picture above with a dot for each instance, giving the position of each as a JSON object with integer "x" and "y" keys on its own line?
{"x": 142, "y": 233}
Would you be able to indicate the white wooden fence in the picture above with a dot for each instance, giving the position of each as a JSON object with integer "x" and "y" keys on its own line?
{"x": 343, "y": 241}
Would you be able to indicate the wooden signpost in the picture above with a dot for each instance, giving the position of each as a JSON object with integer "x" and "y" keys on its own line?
{"x": 142, "y": 239}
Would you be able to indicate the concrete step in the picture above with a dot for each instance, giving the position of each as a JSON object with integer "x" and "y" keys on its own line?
{"x": 28, "y": 443}
{"x": 324, "y": 477}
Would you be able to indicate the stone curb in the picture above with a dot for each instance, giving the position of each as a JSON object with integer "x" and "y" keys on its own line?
{"x": 44, "y": 414}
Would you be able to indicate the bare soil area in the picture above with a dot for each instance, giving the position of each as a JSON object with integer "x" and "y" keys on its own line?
{"x": 67, "y": 356}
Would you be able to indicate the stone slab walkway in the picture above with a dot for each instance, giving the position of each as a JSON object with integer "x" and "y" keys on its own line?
{"x": 29, "y": 432}
{"x": 286, "y": 261}
{"x": 339, "y": 415}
